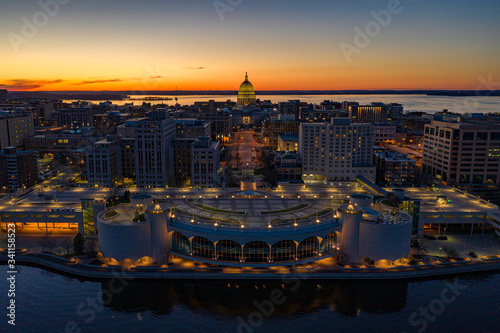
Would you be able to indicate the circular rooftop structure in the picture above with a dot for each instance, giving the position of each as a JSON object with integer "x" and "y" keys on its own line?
{"x": 141, "y": 196}
{"x": 361, "y": 200}
{"x": 141, "y": 201}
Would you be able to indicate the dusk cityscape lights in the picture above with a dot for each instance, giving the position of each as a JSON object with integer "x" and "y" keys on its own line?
{"x": 249, "y": 166}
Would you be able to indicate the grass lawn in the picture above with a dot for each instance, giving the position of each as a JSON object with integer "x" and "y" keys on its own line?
{"x": 115, "y": 202}
{"x": 277, "y": 222}
{"x": 139, "y": 218}
{"x": 213, "y": 209}
{"x": 389, "y": 203}
{"x": 110, "y": 214}
{"x": 291, "y": 209}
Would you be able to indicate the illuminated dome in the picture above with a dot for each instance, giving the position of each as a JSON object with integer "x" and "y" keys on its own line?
{"x": 246, "y": 94}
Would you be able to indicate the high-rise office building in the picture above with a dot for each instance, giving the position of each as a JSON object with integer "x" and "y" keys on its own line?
{"x": 19, "y": 169}
{"x": 14, "y": 128}
{"x": 192, "y": 128}
{"x": 336, "y": 151}
{"x": 465, "y": 155}
{"x": 75, "y": 117}
{"x": 384, "y": 134}
{"x": 375, "y": 113}
{"x": 104, "y": 163}
{"x": 153, "y": 151}
{"x": 220, "y": 122}
{"x": 394, "y": 169}
{"x": 182, "y": 161}
{"x": 205, "y": 158}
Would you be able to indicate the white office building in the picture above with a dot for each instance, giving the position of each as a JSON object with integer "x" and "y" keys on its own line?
{"x": 104, "y": 164}
{"x": 153, "y": 151}
{"x": 336, "y": 151}
{"x": 205, "y": 158}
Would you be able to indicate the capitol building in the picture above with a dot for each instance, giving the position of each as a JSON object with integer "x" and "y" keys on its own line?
{"x": 247, "y": 111}
{"x": 246, "y": 94}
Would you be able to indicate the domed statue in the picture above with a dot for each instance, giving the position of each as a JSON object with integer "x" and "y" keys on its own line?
{"x": 246, "y": 94}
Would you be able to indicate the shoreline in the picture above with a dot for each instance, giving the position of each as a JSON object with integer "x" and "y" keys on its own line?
{"x": 79, "y": 270}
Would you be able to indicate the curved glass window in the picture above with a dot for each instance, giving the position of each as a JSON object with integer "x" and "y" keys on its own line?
{"x": 203, "y": 248}
{"x": 180, "y": 243}
{"x": 256, "y": 252}
{"x": 284, "y": 250}
{"x": 228, "y": 250}
{"x": 308, "y": 248}
{"x": 329, "y": 243}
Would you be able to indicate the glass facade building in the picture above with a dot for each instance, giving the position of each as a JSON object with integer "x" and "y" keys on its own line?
{"x": 254, "y": 251}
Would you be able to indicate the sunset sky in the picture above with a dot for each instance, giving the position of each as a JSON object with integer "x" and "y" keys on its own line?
{"x": 284, "y": 45}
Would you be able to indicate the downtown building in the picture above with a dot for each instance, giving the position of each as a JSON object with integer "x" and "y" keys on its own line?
{"x": 464, "y": 155}
{"x": 220, "y": 122}
{"x": 384, "y": 134}
{"x": 75, "y": 117}
{"x": 15, "y": 127}
{"x": 374, "y": 113}
{"x": 19, "y": 169}
{"x": 336, "y": 151}
{"x": 394, "y": 169}
{"x": 205, "y": 162}
{"x": 192, "y": 128}
{"x": 153, "y": 151}
{"x": 126, "y": 132}
{"x": 104, "y": 163}
{"x": 272, "y": 128}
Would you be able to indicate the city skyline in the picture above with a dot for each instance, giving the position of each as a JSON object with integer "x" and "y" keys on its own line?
{"x": 56, "y": 45}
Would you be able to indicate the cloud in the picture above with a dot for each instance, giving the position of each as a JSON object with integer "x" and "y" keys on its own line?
{"x": 98, "y": 81}
{"x": 194, "y": 67}
{"x": 25, "y": 84}
{"x": 156, "y": 77}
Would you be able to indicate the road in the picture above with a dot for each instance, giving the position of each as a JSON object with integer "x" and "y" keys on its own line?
{"x": 244, "y": 150}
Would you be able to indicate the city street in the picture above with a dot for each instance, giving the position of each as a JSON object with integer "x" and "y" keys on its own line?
{"x": 244, "y": 150}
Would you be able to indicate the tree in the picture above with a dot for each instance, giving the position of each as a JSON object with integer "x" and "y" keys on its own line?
{"x": 421, "y": 247}
{"x": 79, "y": 244}
{"x": 449, "y": 252}
{"x": 43, "y": 243}
{"x": 393, "y": 198}
{"x": 126, "y": 195}
{"x": 90, "y": 246}
{"x": 50, "y": 242}
{"x": 67, "y": 244}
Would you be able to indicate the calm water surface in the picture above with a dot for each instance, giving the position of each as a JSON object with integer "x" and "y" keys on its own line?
{"x": 47, "y": 301}
{"x": 425, "y": 103}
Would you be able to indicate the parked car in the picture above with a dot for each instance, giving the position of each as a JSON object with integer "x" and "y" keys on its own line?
{"x": 473, "y": 254}
{"x": 443, "y": 237}
{"x": 431, "y": 238}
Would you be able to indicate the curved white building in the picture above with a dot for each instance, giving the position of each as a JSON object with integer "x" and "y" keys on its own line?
{"x": 361, "y": 200}
{"x": 350, "y": 217}
{"x": 368, "y": 234}
{"x": 363, "y": 233}
{"x": 388, "y": 237}
{"x": 160, "y": 245}
{"x": 122, "y": 241}
{"x": 141, "y": 201}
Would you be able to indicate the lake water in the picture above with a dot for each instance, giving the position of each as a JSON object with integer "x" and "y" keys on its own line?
{"x": 425, "y": 103}
{"x": 47, "y": 302}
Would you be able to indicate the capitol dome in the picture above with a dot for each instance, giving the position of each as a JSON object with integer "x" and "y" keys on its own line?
{"x": 246, "y": 94}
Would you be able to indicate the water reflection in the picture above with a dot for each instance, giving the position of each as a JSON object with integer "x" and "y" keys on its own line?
{"x": 240, "y": 298}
